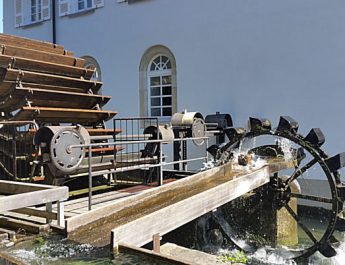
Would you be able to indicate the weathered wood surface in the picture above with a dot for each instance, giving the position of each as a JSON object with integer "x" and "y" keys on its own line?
{"x": 63, "y": 115}
{"x": 51, "y": 98}
{"x": 155, "y": 256}
{"x": 41, "y": 55}
{"x": 13, "y": 40}
{"x": 101, "y": 221}
{"x": 44, "y": 67}
{"x": 20, "y": 195}
{"x": 24, "y": 225}
{"x": 15, "y": 75}
{"x": 190, "y": 256}
{"x": 139, "y": 232}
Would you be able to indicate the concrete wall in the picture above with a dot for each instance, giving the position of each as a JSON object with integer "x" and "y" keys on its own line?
{"x": 261, "y": 58}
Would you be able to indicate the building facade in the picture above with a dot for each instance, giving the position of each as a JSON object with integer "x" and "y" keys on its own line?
{"x": 247, "y": 58}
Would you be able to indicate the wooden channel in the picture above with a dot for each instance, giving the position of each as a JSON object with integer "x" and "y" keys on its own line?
{"x": 101, "y": 221}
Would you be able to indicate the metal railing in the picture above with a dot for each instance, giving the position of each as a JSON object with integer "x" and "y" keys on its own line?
{"x": 155, "y": 162}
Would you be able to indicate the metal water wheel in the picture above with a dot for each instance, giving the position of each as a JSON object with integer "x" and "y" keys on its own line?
{"x": 309, "y": 196}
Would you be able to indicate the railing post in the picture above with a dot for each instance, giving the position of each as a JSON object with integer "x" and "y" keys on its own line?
{"x": 49, "y": 209}
{"x": 90, "y": 178}
{"x": 207, "y": 159}
{"x": 160, "y": 165}
{"x": 61, "y": 213}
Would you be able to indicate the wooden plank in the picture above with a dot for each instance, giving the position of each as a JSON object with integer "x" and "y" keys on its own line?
{"x": 32, "y": 44}
{"x": 61, "y": 115}
{"x": 44, "y": 67}
{"x": 36, "y": 212}
{"x": 58, "y": 88}
{"x": 7, "y": 259}
{"x": 40, "y": 55}
{"x": 95, "y": 201}
{"x": 145, "y": 203}
{"x": 14, "y": 75}
{"x": 102, "y": 131}
{"x": 24, "y": 225}
{"x": 27, "y": 199}
{"x": 139, "y": 232}
{"x": 155, "y": 256}
{"x": 191, "y": 256}
{"x": 14, "y": 187}
{"x": 51, "y": 98}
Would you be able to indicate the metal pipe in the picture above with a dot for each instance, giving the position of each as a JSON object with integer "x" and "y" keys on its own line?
{"x": 90, "y": 179}
{"x": 132, "y": 142}
{"x": 54, "y": 21}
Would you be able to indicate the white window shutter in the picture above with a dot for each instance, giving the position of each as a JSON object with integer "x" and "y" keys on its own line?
{"x": 73, "y": 6}
{"x": 45, "y": 9}
{"x": 98, "y": 3}
{"x": 18, "y": 10}
{"x": 64, "y": 7}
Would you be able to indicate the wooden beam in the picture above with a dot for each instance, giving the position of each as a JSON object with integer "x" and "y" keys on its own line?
{"x": 14, "y": 187}
{"x": 36, "y": 212}
{"x": 155, "y": 256}
{"x": 139, "y": 232}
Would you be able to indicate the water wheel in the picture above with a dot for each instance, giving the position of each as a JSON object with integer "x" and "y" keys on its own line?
{"x": 297, "y": 213}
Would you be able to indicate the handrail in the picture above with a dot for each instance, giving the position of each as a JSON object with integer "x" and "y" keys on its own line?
{"x": 159, "y": 165}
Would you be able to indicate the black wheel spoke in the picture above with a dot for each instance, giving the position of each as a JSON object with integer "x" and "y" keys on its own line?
{"x": 305, "y": 229}
{"x": 311, "y": 198}
{"x": 300, "y": 171}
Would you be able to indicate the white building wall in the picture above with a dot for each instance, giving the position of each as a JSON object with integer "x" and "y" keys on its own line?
{"x": 248, "y": 58}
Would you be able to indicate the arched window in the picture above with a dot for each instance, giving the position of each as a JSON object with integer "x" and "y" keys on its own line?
{"x": 158, "y": 83}
{"x": 91, "y": 63}
{"x": 160, "y": 87}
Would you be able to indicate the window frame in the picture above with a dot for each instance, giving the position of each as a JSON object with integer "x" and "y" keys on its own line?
{"x": 144, "y": 86}
{"x": 31, "y": 12}
{"x": 160, "y": 73}
{"x": 37, "y": 15}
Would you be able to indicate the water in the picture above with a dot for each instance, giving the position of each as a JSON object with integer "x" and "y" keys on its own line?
{"x": 58, "y": 251}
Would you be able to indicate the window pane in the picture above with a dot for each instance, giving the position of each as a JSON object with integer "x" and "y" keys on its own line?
{"x": 155, "y": 81}
{"x": 167, "y": 101}
{"x": 167, "y": 112}
{"x": 166, "y": 80}
{"x": 81, "y": 4}
{"x": 155, "y": 91}
{"x": 33, "y": 10}
{"x": 155, "y": 101}
{"x": 89, "y": 3}
{"x": 167, "y": 90}
{"x": 155, "y": 112}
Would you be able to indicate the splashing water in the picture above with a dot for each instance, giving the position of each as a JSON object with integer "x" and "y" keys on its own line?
{"x": 286, "y": 147}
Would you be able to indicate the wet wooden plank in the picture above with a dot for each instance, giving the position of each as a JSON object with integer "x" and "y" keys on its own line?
{"x": 139, "y": 232}
{"x": 158, "y": 257}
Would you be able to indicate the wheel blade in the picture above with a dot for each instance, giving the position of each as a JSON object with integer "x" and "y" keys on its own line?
{"x": 328, "y": 251}
{"x": 333, "y": 240}
{"x": 305, "y": 229}
{"x": 311, "y": 198}
{"x": 300, "y": 171}
{"x": 230, "y": 232}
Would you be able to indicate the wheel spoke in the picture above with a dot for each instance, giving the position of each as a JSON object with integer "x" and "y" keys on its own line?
{"x": 305, "y": 229}
{"x": 311, "y": 198}
{"x": 300, "y": 171}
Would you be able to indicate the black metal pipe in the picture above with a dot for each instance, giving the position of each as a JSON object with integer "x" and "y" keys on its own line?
{"x": 54, "y": 21}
